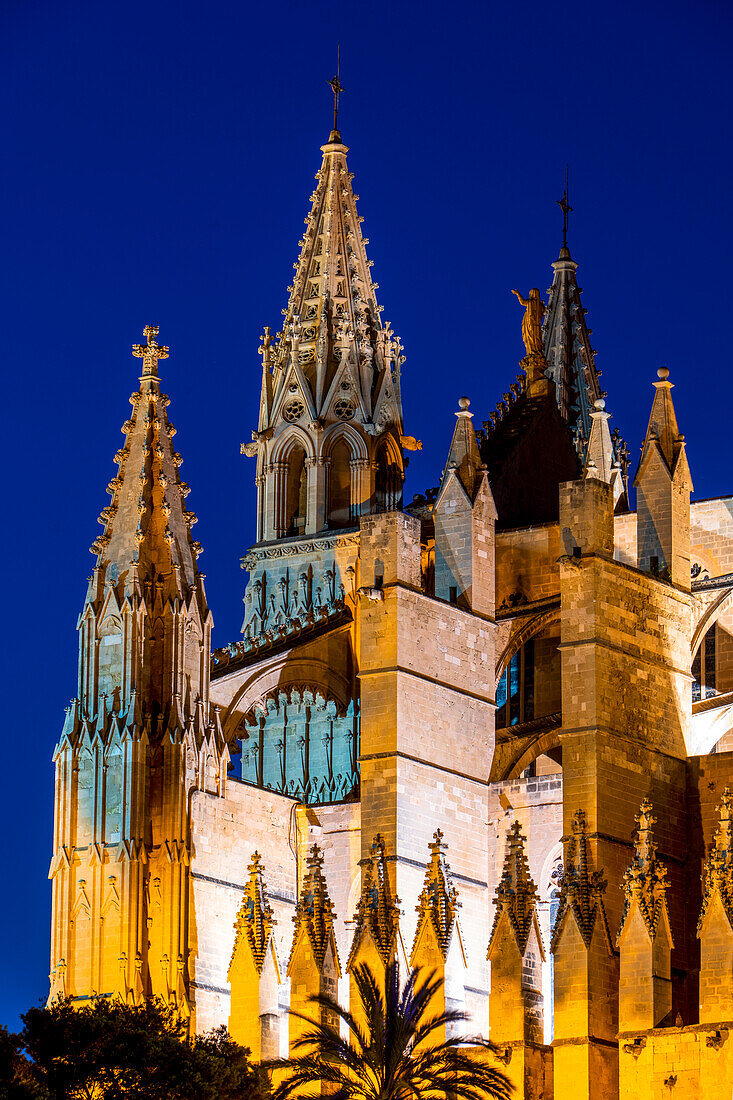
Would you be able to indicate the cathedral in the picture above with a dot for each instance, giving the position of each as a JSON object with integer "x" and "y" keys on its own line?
{"x": 488, "y": 731}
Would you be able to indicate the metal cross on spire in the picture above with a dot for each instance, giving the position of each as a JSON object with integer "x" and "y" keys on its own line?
{"x": 337, "y": 89}
{"x": 566, "y": 208}
{"x": 151, "y": 351}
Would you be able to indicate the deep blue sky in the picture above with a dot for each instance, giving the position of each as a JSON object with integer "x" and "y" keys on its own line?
{"x": 158, "y": 158}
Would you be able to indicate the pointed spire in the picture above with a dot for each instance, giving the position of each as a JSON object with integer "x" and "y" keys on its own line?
{"x": 334, "y": 359}
{"x": 717, "y": 876}
{"x": 464, "y": 458}
{"x": 581, "y": 890}
{"x": 377, "y": 913}
{"x": 314, "y": 911}
{"x": 516, "y": 894}
{"x": 568, "y": 349}
{"x": 645, "y": 881}
{"x": 662, "y": 433}
{"x": 255, "y": 919}
{"x": 600, "y": 459}
{"x": 438, "y": 904}
{"x": 147, "y": 524}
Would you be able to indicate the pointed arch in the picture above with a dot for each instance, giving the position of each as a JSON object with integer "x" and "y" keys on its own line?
{"x": 293, "y": 437}
{"x": 389, "y": 474}
{"x": 354, "y": 440}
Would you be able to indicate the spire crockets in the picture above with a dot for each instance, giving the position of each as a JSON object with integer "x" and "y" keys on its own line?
{"x": 314, "y": 912}
{"x": 330, "y": 433}
{"x": 645, "y": 880}
{"x": 255, "y": 919}
{"x": 567, "y": 348}
{"x": 438, "y": 905}
{"x": 377, "y": 913}
{"x": 516, "y": 894}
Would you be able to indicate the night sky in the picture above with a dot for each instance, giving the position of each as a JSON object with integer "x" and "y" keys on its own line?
{"x": 158, "y": 158}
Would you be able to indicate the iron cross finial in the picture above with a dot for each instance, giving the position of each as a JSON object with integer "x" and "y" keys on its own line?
{"x": 566, "y": 208}
{"x": 337, "y": 88}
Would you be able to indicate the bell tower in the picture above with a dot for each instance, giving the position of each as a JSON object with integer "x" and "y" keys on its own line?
{"x": 140, "y": 733}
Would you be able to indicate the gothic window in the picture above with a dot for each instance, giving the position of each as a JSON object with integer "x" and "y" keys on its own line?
{"x": 339, "y": 503}
{"x": 293, "y": 410}
{"x": 344, "y": 408}
{"x": 296, "y": 492}
{"x": 515, "y": 691}
{"x": 387, "y": 482}
{"x": 703, "y": 668}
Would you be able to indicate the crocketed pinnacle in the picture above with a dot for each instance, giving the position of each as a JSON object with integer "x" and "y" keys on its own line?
{"x": 581, "y": 890}
{"x": 377, "y": 913}
{"x": 255, "y": 920}
{"x": 334, "y": 359}
{"x": 516, "y": 893}
{"x": 645, "y": 881}
{"x": 464, "y": 457}
{"x": 314, "y": 911}
{"x": 717, "y": 876}
{"x": 147, "y": 528}
{"x": 438, "y": 904}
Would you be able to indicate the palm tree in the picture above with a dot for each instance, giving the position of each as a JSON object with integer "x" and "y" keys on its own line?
{"x": 395, "y": 1055}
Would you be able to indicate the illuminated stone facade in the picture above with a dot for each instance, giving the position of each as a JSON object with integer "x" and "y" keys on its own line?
{"x": 486, "y": 732}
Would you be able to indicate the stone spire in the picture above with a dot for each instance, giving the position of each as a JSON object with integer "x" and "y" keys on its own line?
{"x": 332, "y": 373}
{"x": 662, "y": 434}
{"x": 581, "y": 890}
{"x": 377, "y": 912}
{"x": 600, "y": 457}
{"x": 147, "y": 528}
{"x": 314, "y": 912}
{"x": 255, "y": 919}
{"x": 645, "y": 881}
{"x": 516, "y": 894}
{"x": 463, "y": 458}
{"x": 438, "y": 904}
{"x": 567, "y": 347}
{"x": 717, "y": 877}
{"x": 334, "y": 355}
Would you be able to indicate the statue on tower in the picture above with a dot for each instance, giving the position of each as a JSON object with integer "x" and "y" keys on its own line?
{"x": 534, "y": 361}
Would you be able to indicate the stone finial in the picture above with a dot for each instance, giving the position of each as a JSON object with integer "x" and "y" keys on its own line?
{"x": 718, "y": 870}
{"x": 516, "y": 893}
{"x": 151, "y": 351}
{"x": 581, "y": 890}
{"x": 438, "y": 903}
{"x": 255, "y": 919}
{"x": 376, "y": 912}
{"x": 314, "y": 910}
{"x": 645, "y": 880}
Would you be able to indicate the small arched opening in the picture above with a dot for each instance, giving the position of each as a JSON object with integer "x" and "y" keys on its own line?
{"x": 387, "y": 480}
{"x": 296, "y": 492}
{"x": 339, "y": 495}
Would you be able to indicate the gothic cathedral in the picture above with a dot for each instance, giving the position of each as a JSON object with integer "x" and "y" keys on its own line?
{"x": 488, "y": 732}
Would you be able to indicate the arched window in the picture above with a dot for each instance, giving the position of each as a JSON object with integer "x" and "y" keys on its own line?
{"x": 387, "y": 482}
{"x": 339, "y": 496}
{"x": 703, "y": 668}
{"x": 515, "y": 690}
{"x": 296, "y": 492}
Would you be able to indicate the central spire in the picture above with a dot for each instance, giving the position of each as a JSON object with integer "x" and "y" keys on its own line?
{"x": 330, "y": 432}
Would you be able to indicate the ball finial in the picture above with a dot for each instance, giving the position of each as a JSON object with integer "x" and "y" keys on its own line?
{"x": 663, "y": 374}
{"x": 463, "y": 403}
{"x": 600, "y": 404}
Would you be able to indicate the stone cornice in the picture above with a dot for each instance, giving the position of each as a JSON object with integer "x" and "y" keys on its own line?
{"x": 298, "y": 547}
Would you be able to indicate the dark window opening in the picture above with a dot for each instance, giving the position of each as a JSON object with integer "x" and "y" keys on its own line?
{"x": 515, "y": 691}
{"x": 703, "y": 668}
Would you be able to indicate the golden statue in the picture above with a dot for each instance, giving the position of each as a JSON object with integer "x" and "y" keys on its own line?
{"x": 532, "y": 321}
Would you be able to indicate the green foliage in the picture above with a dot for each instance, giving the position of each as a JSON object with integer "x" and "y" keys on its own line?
{"x": 105, "y": 1050}
{"x": 391, "y": 1057}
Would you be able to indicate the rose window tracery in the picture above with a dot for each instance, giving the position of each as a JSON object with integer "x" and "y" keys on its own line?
{"x": 293, "y": 410}
{"x": 344, "y": 408}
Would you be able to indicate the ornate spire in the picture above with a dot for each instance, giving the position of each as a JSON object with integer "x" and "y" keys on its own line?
{"x": 334, "y": 359}
{"x": 645, "y": 881}
{"x": 255, "y": 920}
{"x": 438, "y": 904}
{"x": 377, "y": 913}
{"x": 567, "y": 348}
{"x": 516, "y": 894}
{"x": 717, "y": 873}
{"x": 147, "y": 527}
{"x": 581, "y": 890}
{"x": 314, "y": 911}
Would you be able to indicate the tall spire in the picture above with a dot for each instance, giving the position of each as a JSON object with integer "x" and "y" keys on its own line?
{"x": 567, "y": 345}
{"x": 147, "y": 527}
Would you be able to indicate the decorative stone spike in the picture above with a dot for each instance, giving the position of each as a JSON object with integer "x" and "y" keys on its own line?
{"x": 438, "y": 904}
{"x": 644, "y": 937}
{"x": 254, "y": 974}
{"x": 581, "y": 890}
{"x": 715, "y": 926}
